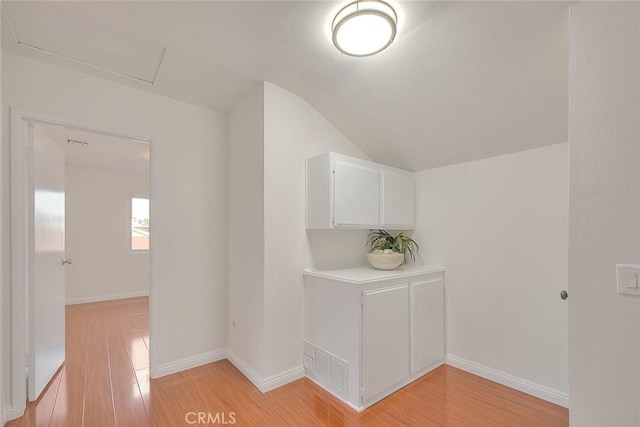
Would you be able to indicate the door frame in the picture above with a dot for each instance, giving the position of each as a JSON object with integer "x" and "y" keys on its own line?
{"x": 19, "y": 235}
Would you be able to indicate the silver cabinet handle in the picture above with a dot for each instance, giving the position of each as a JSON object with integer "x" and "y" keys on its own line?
{"x": 66, "y": 261}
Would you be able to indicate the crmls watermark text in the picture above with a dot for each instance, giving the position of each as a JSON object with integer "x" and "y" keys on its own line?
{"x": 220, "y": 418}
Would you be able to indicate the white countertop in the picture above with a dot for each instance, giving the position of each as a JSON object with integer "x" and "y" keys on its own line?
{"x": 369, "y": 274}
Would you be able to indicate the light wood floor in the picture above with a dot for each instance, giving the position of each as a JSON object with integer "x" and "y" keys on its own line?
{"x": 105, "y": 382}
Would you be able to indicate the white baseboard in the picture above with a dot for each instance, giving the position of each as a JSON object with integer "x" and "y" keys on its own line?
{"x": 8, "y": 415}
{"x": 342, "y": 399}
{"x": 520, "y": 384}
{"x": 262, "y": 384}
{"x": 245, "y": 369}
{"x": 106, "y": 297}
{"x": 282, "y": 378}
{"x": 190, "y": 362}
{"x": 269, "y": 383}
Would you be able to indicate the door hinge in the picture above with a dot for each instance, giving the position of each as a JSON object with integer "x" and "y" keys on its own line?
{"x": 333, "y": 220}
{"x": 362, "y": 394}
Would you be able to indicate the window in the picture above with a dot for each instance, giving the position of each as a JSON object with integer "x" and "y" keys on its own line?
{"x": 139, "y": 223}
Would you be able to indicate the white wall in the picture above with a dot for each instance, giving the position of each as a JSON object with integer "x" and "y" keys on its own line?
{"x": 604, "y": 213}
{"x": 271, "y": 133}
{"x": 98, "y": 235}
{"x": 293, "y": 131}
{"x": 4, "y": 261}
{"x": 499, "y": 227}
{"x": 246, "y": 232}
{"x": 188, "y": 182}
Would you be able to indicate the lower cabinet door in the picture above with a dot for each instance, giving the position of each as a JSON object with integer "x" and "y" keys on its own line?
{"x": 385, "y": 339}
{"x": 427, "y": 323}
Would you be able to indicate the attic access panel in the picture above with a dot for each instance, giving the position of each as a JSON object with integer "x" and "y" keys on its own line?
{"x": 55, "y": 29}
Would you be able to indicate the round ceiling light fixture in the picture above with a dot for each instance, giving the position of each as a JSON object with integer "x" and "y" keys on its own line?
{"x": 364, "y": 27}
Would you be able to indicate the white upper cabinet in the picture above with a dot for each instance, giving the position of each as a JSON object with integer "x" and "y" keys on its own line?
{"x": 397, "y": 200}
{"x": 346, "y": 192}
{"x": 356, "y": 192}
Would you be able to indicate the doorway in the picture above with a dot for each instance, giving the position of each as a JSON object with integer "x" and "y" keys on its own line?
{"x": 96, "y": 167}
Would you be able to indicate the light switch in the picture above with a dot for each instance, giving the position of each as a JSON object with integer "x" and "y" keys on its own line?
{"x": 627, "y": 275}
{"x": 631, "y": 279}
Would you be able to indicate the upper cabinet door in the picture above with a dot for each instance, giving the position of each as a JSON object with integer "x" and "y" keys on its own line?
{"x": 348, "y": 192}
{"x": 397, "y": 200}
{"x": 356, "y": 196}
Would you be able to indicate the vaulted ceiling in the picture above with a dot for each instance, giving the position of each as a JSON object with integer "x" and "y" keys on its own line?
{"x": 462, "y": 81}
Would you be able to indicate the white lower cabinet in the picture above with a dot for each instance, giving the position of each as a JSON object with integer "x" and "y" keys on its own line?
{"x": 385, "y": 339}
{"x": 370, "y": 332}
{"x": 427, "y": 323}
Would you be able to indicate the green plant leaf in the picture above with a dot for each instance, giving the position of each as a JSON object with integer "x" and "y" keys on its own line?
{"x": 381, "y": 239}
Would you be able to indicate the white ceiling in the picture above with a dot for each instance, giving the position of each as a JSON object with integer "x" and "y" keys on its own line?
{"x": 57, "y": 30}
{"x": 102, "y": 150}
{"x": 462, "y": 81}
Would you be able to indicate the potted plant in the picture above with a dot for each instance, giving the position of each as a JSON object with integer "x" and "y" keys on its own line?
{"x": 388, "y": 252}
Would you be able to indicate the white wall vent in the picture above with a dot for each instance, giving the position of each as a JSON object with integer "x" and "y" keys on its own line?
{"x": 330, "y": 368}
{"x": 338, "y": 373}
{"x": 321, "y": 363}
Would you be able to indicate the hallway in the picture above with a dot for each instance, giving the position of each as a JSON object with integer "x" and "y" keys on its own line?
{"x": 105, "y": 382}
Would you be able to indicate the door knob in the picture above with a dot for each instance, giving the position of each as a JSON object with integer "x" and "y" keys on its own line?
{"x": 66, "y": 261}
{"x": 564, "y": 295}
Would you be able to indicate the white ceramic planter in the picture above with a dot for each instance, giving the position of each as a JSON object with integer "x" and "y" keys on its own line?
{"x": 385, "y": 261}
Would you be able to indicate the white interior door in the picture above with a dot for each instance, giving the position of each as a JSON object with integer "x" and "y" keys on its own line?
{"x": 46, "y": 289}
